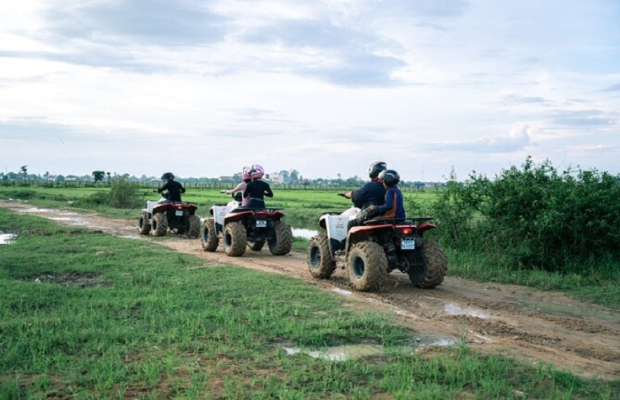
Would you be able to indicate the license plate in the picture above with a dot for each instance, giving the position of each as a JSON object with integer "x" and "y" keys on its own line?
{"x": 178, "y": 213}
{"x": 407, "y": 245}
{"x": 261, "y": 224}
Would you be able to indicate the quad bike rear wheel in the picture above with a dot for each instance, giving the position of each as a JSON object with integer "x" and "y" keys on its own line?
{"x": 283, "y": 239}
{"x": 367, "y": 266}
{"x": 143, "y": 224}
{"x": 320, "y": 261}
{"x": 209, "y": 237}
{"x": 159, "y": 225}
{"x": 235, "y": 239}
{"x": 194, "y": 227}
{"x": 436, "y": 265}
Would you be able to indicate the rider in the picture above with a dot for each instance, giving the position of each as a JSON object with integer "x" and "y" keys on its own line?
{"x": 256, "y": 189}
{"x": 245, "y": 175}
{"x": 173, "y": 187}
{"x": 371, "y": 193}
{"x": 393, "y": 206}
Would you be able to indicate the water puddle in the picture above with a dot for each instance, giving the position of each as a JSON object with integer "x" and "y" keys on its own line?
{"x": 304, "y": 233}
{"x": 7, "y": 238}
{"x": 342, "y": 291}
{"x": 455, "y": 309}
{"x": 354, "y": 352}
{"x": 339, "y": 353}
{"x": 75, "y": 221}
{"x": 567, "y": 310}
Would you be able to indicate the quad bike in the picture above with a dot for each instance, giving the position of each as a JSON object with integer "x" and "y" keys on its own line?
{"x": 240, "y": 227}
{"x": 374, "y": 249}
{"x": 177, "y": 216}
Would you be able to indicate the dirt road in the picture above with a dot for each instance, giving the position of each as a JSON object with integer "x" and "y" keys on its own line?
{"x": 518, "y": 322}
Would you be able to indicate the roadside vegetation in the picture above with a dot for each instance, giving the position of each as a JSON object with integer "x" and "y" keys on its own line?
{"x": 111, "y": 317}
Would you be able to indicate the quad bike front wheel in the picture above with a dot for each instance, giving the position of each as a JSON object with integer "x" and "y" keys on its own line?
{"x": 235, "y": 239}
{"x": 194, "y": 227}
{"x": 143, "y": 224}
{"x": 320, "y": 261}
{"x": 367, "y": 266}
{"x": 209, "y": 238}
{"x": 159, "y": 225}
{"x": 282, "y": 241}
{"x": 436, "y": 265}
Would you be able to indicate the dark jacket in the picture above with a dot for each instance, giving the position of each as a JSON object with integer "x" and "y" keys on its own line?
{"x": 257, "y": 189}
{"x": 174, "y": 189}
{"x": 371, "y": 193}
{"x": 394, "y": 204}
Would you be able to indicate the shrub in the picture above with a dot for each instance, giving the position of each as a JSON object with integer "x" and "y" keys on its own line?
{"x": 123, "y": 193}
{"x": 536, "y": 216}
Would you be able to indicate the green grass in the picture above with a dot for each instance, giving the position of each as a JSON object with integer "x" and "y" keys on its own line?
{"x": 86, "y": 315}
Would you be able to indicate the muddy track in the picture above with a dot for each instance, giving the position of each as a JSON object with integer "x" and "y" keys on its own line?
{"x": 518, "y": 322}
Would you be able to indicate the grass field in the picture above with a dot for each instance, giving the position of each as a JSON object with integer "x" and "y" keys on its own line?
{"x": 89, "y": 316}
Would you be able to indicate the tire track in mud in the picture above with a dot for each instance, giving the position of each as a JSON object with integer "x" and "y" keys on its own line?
{"x": 518, "y": 322}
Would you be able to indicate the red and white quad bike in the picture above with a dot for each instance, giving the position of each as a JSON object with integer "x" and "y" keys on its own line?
{"x": 246, "y": 227}
{"x": 177, "y": 216}
{"x": 371, "y": 251}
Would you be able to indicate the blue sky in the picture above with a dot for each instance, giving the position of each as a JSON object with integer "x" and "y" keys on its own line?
{"x": 201, "y": 88}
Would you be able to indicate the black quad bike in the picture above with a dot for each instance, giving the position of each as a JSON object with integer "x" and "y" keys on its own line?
{"x": 177, "y": 216}
{"x": 371, "y": 251}
{"x": 240, "y": 227}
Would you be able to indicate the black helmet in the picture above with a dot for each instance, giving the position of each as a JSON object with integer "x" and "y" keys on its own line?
{"x": 389, "y": 177}
{"x": 167, "y": 175}
{"x": 376, "y": 167}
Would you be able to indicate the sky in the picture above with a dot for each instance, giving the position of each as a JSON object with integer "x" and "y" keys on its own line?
{"x": 201, "y": 88}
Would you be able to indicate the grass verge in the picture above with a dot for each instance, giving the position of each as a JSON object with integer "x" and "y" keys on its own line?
{"x": 87, "y": 315}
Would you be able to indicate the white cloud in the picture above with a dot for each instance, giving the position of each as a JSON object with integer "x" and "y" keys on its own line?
{"x": 322, "y": 87}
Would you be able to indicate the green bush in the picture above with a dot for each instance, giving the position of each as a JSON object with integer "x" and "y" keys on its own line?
{"x": 535, "y": 216}
{"x": 123, "y": 193}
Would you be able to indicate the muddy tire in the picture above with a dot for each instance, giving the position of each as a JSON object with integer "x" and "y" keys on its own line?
{"x": 283, "y": 239}
{"x": 194, "y": 227}
{"x": 436, "y": 265}
{"x": 159, "y": 225}
{"x": 367, "y": 266}
{"x": 256, "y": 246}
{"x": 208, "y": 238}
{"x": 320, "y": 261}
{"x": 235, "y": 239}
{"x": 144, "y": 227}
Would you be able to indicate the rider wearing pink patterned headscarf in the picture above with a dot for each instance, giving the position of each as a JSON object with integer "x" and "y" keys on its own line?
{"x": 256, "y": 190}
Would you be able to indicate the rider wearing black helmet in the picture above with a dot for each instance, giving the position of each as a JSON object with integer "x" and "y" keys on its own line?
{"x": 371, "y": 193}
{"x": 173, "y": 187}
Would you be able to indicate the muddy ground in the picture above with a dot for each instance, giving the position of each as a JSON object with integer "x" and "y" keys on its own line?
{"x": 522, "y": 323}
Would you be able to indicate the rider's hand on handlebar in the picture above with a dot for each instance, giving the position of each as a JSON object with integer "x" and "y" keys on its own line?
{"x": 345, "y": 194}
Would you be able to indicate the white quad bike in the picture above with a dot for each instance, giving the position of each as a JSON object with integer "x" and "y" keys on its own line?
{"x": 177, "y": 216}
{"x": 245, "y": 227}
{"x": 370, "y": 251}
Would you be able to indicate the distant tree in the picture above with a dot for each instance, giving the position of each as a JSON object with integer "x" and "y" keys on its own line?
{"x": 23, "y": 170}
{"x": 98, "y": 176}
{"x": 108, "y": 174}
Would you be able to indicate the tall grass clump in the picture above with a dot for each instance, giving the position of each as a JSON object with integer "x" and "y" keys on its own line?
{"x": 535, "y": 217}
